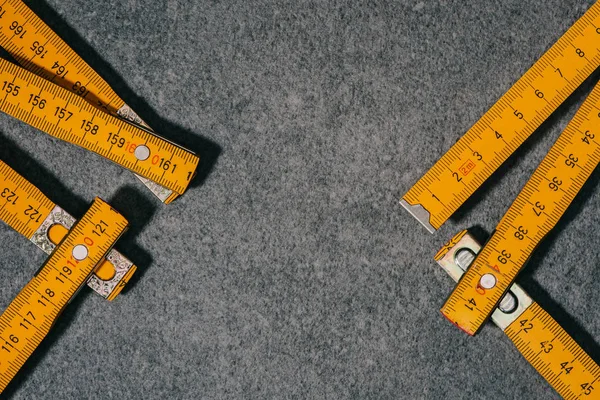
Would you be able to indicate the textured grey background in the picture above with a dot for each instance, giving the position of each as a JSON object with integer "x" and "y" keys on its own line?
{"x": 291, "y": 271}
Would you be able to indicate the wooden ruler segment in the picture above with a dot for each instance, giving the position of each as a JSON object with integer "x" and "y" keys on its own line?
{"x": 502, "y": 129}
{"x": 539, "y": 338}
{"x": 41, "y": 51}
{"x": 555, "y": 355}
{"x": 68, "y": 117}
{"x": 29, "y": 317}
{"x": 533, "y": 214}
{"x": 38, "y": 49}
{"x": 27, "y": 210}
{"x": 22, "y": 206}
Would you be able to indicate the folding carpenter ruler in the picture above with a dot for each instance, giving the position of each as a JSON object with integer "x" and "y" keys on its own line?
{"x": 27, "y": 210}
{"x": 550, "y": 190}
{"x": 29, "y": 317}
{"x": 538, "y": 337}
{"x": 55, "y": 91}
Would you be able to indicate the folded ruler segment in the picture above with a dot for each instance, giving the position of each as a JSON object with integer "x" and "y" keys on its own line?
{"x": 537, "y": 336}
{"x": 29, "y": 317}
{"x": 502, "y": 129}
{"x": 28, "y": 211}
{"x": 165, "y": 168}
{"x": 537, "y": 209}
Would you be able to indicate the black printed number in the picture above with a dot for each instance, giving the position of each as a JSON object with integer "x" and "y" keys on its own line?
{"x": 100, "y": 228}
{"x": 555, "y": 184}
{"x": 564, "y": 366}
{"x": 59, "y": 70}
{"x": 538, "y": 206}
{"x": 18, "y": 29}
{"x": 587, "y": 388}
{"x": 473, "y": 304}
{"x": 33, "y": 214}
{"x": 61, "y": 113}
{"x": 11, "y": 88}
{"x": 503, "y": 257}
{"x": 547, "y": 347}
{"x": 88, "y": 126}
{"x": 521, "y": 232}
{"x": 526, "y": 325}
{"x": 587, "y": 136}
{"x": 80, "y": 89}
{"x": 38, "y": 49}
{"x": 37, "y": 101}
{"x": 10, "y": 196}
{"x": 571, "y": 161}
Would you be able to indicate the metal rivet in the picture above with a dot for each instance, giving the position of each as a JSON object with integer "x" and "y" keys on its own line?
{"x": 487, "y": 281}
{"x": 142, "y": 152}
{"x": 509, "y": 303}
{"x": 464, "y": 257}
{"x": 80, "y": 252}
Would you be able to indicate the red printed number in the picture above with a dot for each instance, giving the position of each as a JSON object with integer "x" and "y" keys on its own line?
{"x": 467, "y": 167}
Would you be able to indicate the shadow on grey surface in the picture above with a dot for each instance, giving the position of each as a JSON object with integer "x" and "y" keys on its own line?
{"x": 207, "y": 150}
{"x": 138, "y": 209}
{"x": 525, "y": 149}
{"x": 39, "y": 176}
{"x": 480, "y": 234}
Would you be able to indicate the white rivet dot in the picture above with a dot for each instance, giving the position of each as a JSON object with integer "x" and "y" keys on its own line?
{"x": 142, "y": 152}
{"x": 487, "y": 281}
{"x": 80, "y": 252}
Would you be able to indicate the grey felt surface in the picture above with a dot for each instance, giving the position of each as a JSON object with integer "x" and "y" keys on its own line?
{"x": 290, "y": 270}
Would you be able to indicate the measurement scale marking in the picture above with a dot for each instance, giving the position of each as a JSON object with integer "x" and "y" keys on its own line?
{"x": 27, "y": 210}
{"x": 45, "y": 54}
{"x": 554, "y": 76}
{"x": 537, "y": 336}
{"x": 30, "y": 316}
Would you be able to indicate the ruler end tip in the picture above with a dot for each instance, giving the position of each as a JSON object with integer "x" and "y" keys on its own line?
{"x": 420, "y": 214}
{"x": 465, "y": 330}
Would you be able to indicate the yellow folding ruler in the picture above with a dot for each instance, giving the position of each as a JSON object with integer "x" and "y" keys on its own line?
{"x": 55, "y": 91}
{"x": 27, "y": 210}
{"x": 538, "y": 337}
{"x": 29, "y": 317}
{"x": 505, "y": 126}
{"x": 536, "y": 210}
{"x": 549, "y": 191}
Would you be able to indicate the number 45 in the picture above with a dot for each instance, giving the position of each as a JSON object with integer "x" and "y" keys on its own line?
{"x": 587, "y": 388}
